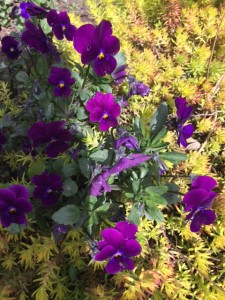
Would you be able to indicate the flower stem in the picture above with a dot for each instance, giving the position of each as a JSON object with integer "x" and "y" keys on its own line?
{"x": 86, "y": 76}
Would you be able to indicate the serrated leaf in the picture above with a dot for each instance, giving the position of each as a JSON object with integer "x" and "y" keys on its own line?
{"x": 67, "y": 215}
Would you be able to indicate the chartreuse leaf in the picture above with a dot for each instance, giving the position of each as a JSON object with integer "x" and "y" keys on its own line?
{"x": 158, "y": 120}
{"x": 173, "y": 157}
{"x": 67, "y": 215}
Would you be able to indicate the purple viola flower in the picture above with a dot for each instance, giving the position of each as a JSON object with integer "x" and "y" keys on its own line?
{"x": 10, "y": 47}
{"x": 128, "y": 162}
{"x": 35, "y": 38}
{"x": 103, "y": 109}
{"x": 62, "y": 80}
{"x": 14, "y": 205}
{"x": 47, "y": 188}
{"x": 198, "y": 202}
{"x": 137, "y": 88}
{"x": 118, "y": 246}
{"x": 128, "y": 141}
{"x": 100, "y": 185}
{"x": 183, "y": 113}
{"x": 29, "y": 9}
{"x": 97, "y": 45}
{"x": 61, "y": 25}
{"x": 52, "y": 134}
{"x": 119, "y": 74}
{"x": 2, "y": 140}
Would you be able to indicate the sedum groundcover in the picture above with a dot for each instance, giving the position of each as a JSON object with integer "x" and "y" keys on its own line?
{"x": 112, "y": 150}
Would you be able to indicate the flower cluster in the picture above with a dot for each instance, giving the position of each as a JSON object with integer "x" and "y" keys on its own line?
{"x": 52, "y": 134}
{"x": 47, "y": 187}
{"x": 117, "y": 246}
{"x": 14, "y": 205}
{"x": 198, "y": 201}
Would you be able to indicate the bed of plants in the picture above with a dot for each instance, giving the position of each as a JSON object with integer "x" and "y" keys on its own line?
{"x": 112, "y": 150}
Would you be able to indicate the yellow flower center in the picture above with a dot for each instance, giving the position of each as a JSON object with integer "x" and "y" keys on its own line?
{"x": 61, "y": 85}
{"x": 12, "y": 49}
{"x": 64, "y": 28}
{"x": 101, "y": 56}
{"x": 12, "y": 211}
{"x": 105, "y": 116}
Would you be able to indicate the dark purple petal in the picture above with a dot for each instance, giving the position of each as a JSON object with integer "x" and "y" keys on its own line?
{"x": 3, "y": 206}
{"x": 70, "y": 32}
{"x": 187, "y": 131}
{"x": 111, "y": 45}
{"x": 105, "y": 253}
{"x": 19, "y": 218}
{"x": 104, "y": 125}
{"x": 114, "y": 237}
{"x": 53, "y": 127}
{"x": 205, "y": 182}
{"x": 183, "y": 111}
{"x": 119, "y": 74}
{"x": 56, "y": 148}
{"x": 20, "y": 191}
{"x": 127, "y": 229}
{"x": 10, "y": 47}
{"x": 198, "y": 198}
{"x": 57, "y": 30}
{"x": 102, "y": 32}
{"x": 7, "y": 196}
{"x": 203, "y": 217}
{"x": 50, "y": 200}
{"x": 132, "y": 248}
{"x": 83, "y": 37}
{"x": 129, "y": 162}
{"x": 52, "y": 18}
{"x": 37, "y": 133}
{"x": 6, "y": 220}
{"x": 23, "y": 205}
{"x": 105, "y": 66}
{"x": 89, "y": 54}
{"x": 115, "y": 265}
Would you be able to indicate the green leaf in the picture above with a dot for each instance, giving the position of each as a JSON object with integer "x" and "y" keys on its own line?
{"x": 49, "y": 111}
{"x": 154, "y": 200}
{"x": 134, "y": 215}
{"x": 84, "y": 164}
{"x": 102, "y": 208}
{"x": 161, "y": 189}
{"x": 174, "y": 157}
{"x": 36, "y": 168}
{"x": 135, "y": 186}
{"x": 100, "y": 155}
{"x": 153, "y": 213}
{"x": 120, "y": 59}
{"x": 157, "y": 140}
{"x": 15, "y": 229}
{"x": 67, "y": 215}
{"x": 172, "y": 195}
{"x": 22, "y": 76}
{"x": 69, "y": 187}
{"x": 81, "y": 114}
{"x": 158, "y": 120}
{"x": 70, "y": 169}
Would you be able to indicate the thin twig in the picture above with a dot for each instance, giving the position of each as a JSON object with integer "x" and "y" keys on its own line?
{"x": 214, "y": 44}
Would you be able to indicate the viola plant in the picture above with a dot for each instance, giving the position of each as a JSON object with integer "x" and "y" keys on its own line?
{"x": 77, "y": 166}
